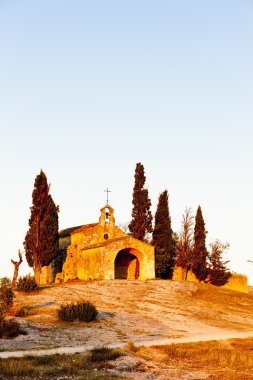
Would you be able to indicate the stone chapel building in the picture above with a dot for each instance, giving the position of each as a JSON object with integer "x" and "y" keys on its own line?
{"x": 100, "y": 251}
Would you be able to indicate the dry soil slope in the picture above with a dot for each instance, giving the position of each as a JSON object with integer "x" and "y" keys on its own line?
{"x": 140, "y": 311}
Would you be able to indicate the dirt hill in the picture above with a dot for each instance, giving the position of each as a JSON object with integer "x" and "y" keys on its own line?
{"x": 145, "y": 312}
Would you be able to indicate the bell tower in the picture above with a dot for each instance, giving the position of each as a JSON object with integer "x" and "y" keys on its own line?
{"x": 106, "y": 225}
{"x": 107, "y": 219}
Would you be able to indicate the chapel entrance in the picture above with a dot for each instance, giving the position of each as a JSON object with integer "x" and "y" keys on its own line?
{"x": 126, "y": 265}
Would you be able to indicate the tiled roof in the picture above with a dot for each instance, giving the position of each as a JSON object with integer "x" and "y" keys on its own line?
{"x": 67, "y": 231}
{"x": 84, "y": 227}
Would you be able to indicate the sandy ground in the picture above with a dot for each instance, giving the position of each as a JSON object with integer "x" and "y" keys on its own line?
{"x": 146, "y": 313}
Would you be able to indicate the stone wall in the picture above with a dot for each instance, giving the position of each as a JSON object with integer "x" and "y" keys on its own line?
{"x": 45, "y": 275}
{"x": 237, "y": 282}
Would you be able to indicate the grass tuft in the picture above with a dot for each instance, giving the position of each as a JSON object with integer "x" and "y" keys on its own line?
{"x": 104, "y": 354}
{"x": 130, "y": 347}
{"x": 16, "y": 367}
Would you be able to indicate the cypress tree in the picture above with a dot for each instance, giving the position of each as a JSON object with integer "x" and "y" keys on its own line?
{"x": 218, "y": 274}
{"x": 41, "y": 240}
{"x": 163, "y": 239}
{"x": 199, "y": 263}
{"x": 141, "y": 224}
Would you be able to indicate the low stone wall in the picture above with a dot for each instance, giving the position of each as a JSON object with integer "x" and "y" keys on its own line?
{"x": 179, "y": 274}
{"x": 238, "y": 282}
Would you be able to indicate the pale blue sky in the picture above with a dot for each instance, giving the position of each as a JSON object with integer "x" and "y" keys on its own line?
{"x": 89, "y": 88}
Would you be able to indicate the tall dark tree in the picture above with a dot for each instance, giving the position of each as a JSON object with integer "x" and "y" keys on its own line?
{"x": 184, "y": 244}
{"x": 141, "y": 224}
{"x": 199, "y": 263}
{"x": 218, "y": 273}
{"x": 163, "y": 239}
{"x": 41, "y": 241}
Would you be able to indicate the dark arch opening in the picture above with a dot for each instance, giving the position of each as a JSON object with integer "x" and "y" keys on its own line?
{"x": 126, "y": 265}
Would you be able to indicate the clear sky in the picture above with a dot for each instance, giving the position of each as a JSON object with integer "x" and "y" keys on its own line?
{"x": 90, "y": 88}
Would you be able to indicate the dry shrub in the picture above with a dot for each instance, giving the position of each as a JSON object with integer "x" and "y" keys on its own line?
{"x": 27, "y": 284}
{"x": 83, "y": 311}
{"x": 6, "y": 298}
{"x": 9, "y": 329}
{"x": 21, "y": 313}
{"x": 5, "y": 281}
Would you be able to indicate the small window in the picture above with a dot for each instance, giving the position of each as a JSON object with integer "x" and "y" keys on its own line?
{"x": 106, "y": 236}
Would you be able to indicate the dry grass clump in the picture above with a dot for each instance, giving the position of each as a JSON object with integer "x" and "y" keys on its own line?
{"x": 104, "y": 354}
{"x": 130, "y": 347}
{"x": 245, "y": 344}
{"x": 231, "y": 359}
{"x": 15, "y": 367}
{"x": 227, "y": 360}
{"x": 50, "y": 367}
{"x": 212, "y": 352}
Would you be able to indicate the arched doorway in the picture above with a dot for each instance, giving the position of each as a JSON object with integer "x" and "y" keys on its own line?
{"x": 126, "y": 265}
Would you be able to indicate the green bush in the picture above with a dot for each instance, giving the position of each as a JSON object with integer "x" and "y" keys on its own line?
{"x": 9, "y": 329}
{"x": 27, "y": 284}
{"x": 6, "y": 298}
{"x": 82, "y": 311}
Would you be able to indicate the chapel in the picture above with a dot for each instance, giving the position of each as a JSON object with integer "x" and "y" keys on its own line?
{"x": 100, "y": 251}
